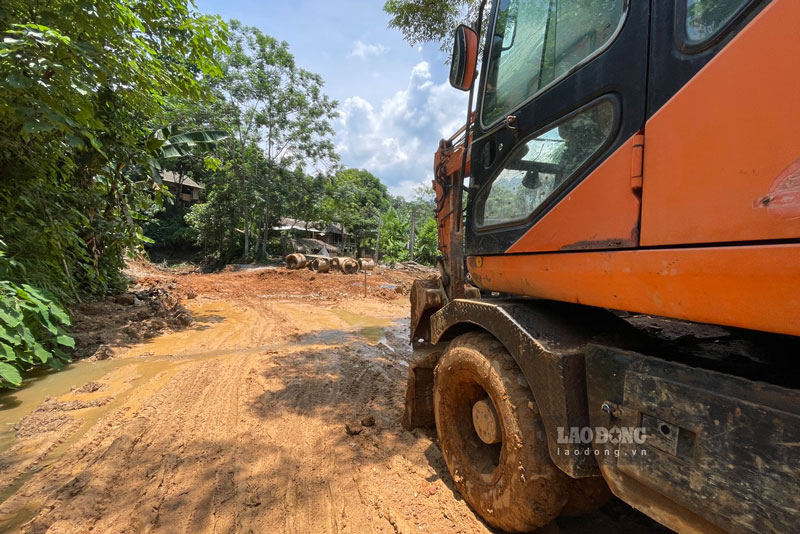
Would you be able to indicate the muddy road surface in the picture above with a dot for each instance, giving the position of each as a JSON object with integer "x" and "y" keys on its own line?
{"x": 277, "y": 410}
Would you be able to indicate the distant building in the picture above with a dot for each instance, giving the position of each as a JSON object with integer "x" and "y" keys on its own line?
{"x": 184, "y": 188}
{"x": 332, "y": 235}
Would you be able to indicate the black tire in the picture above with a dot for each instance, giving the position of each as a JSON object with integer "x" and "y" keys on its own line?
{"x": 512, "y": 485}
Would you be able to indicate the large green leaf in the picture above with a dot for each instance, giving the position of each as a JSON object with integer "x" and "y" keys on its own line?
{"x": 7, "y": 352}
{"x": 10, "y": 374}
{"x": 41, "y": 353}
{"x": 59, "y": 313}
{"x": 10, "y": 337}
{"x": 67, "y": 341}
{"x": 199, "y": 136}
{"x": 180, "y": 145}
{"x": 11, "y": 318}
{"x": 35, "y": 293}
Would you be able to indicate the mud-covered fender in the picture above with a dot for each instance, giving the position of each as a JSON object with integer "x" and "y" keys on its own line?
{"x": 548, "y": 341}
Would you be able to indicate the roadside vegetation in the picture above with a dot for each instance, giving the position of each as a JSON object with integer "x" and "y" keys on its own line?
{"x": 99, "y": 99}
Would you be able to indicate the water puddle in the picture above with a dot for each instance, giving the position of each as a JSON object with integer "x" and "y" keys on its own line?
{"x": 149, "y": 358}
{"x": 42, "y": 383}
{"x": 122, "y": 377}
{"x": 370, "y": 328}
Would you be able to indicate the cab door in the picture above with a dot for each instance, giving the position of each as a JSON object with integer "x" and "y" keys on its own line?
{"x": 556, "y": 161}
{"x": 722, "y": 165}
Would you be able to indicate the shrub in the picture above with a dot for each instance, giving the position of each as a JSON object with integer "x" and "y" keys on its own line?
{"x": 31, "y": 332}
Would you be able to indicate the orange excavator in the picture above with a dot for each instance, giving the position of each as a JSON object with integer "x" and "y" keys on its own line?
{"x": 618, "y": 304}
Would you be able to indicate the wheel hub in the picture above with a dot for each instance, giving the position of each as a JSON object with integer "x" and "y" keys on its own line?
{"x": 486, "y": 422}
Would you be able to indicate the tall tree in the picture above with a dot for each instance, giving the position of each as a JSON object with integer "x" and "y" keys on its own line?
{"x": 272, "y": 103}
{"x": 356, "y": 199}
{"x": 82, "y": 89}
{"x": 423, "y": 21}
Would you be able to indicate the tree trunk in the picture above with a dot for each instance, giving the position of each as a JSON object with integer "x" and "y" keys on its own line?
{"x": 378, "y": 241}
{"x": 266, "y": 232}
{"x": 246, "y": 210}
{"x": 265, "y": 235}
{"x": 257, "y": 239}
{"x": 411, "y": 240}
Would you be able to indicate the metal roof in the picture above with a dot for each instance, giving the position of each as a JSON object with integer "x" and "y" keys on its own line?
{"x": 172, "y": 178}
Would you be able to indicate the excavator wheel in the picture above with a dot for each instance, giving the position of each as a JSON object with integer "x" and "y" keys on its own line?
{"x": 492, "y": 436}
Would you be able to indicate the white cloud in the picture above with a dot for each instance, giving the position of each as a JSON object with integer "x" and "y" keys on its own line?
{"x": 396, "y": 139}
{"x": 406, "y": 188}
{"x": 364, "y": 50}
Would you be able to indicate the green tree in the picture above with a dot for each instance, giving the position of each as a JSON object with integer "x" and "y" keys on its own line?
{"x": 216, "y": 220}
{"x": 394, "y": 238}
{"x": 82, "y": 90}
{"x": 81, "y": 84}
{"x": 422, "y": 206}
{"x": 423, "y": 21}
{"x": 355, "y": 199}
{"x": 273, "y": 107}
{"x": 426, "y": 242}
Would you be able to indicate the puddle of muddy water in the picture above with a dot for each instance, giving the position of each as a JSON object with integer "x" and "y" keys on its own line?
{"x": 42, "y": 383}
{"x": 165, "y": 353}
{"x": 370, "y": 328}
{"x": 123, "y": 376}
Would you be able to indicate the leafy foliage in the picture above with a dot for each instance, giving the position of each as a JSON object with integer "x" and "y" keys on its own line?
{"x": 394, "y": 238}
{"x": 169, "y": 230}
{"x": 83, "y": 88}
{"x": 31, "y": 329}
{"x": 80, "y": 85}
{"x": 280, "y": 121}
{"x": 168, "y": 143}
{"x": 355, "y": 198}
{"x": 422, "y": 21}
{"x": 396, "y": 229}
{"x": 426, "y": 243}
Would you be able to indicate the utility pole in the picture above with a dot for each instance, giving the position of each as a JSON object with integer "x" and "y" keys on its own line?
{"x": 411, "y": 241}
{"x": 378, "y": 239}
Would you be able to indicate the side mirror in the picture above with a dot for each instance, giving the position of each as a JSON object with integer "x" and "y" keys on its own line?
{"x": 465, "y": 58}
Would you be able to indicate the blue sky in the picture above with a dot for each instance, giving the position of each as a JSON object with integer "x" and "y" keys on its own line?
{"x": 394, "y": 100}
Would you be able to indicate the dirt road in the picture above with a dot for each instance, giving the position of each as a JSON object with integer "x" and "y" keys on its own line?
{"x": 274, "y": 411}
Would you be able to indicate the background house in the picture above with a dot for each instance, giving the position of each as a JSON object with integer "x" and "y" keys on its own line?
{"x": 337, "y": 239}
{"x": 184, "y": 188}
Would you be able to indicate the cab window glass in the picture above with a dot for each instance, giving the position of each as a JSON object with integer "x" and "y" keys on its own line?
{"x": 537, "y": 41}
{"x": 535, "y": 170}
{"x": 705, "y": 18}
